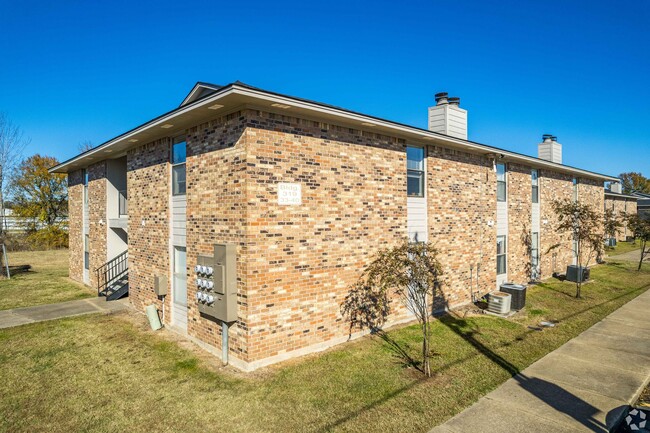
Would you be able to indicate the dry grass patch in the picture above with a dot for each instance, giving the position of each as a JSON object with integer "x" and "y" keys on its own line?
{"x": 109, "y": 373}
{"x": 46, "y": 282}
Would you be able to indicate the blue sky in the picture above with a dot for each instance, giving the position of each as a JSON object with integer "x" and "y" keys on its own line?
{"x": 76, "y": 70}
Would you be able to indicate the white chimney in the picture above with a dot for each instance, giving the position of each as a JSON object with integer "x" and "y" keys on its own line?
{"x": 446, "y": 117}
{"x": 549, "y": 149}
{"x": 616, "y": 187}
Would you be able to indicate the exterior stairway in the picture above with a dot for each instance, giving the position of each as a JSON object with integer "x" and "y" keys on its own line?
{"x": 113, "y": 277}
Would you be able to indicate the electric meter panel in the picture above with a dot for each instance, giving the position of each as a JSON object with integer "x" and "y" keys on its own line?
{"x": 216, "y": 283}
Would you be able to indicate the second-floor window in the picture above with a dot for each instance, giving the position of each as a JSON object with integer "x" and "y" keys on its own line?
{"x": 179, "y": 149}
{"x": 575, "y": 189}
{"x": 501, "y": 182}
{"x": 534, "y": 177}
{"x": 84, "y": 179}
{"x": 415, "y": 171}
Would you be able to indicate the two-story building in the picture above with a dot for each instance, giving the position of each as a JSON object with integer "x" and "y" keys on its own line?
{"x": 306, "y": 193}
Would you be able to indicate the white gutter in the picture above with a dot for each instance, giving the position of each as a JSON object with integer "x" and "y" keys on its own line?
{"x": 311, "y": 106}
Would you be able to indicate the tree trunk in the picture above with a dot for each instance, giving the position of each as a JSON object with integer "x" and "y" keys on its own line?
{"x": 426, "y": 368}
{"x": 642, "y": 254}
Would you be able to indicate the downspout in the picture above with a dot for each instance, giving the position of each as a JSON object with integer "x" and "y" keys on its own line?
{"x": 224, "y": 343}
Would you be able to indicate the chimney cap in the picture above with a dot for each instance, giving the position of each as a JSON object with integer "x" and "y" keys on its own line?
{"x": 454, "y": 100}
{"x": 441, "y": 98}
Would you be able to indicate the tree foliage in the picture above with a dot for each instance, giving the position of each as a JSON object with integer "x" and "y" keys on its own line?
{"x": 634, "y": 182}
{"x": 640, "y": 227}
{"x": 412, "y": 272}
{"x": 12, "y": 144}
{"x": 38, "y": 194}
{"x": 585, "y": 225}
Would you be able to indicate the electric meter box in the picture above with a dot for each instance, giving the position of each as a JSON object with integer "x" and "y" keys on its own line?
{"x": 160, "y": 285}
{"x": 216, "y": 283}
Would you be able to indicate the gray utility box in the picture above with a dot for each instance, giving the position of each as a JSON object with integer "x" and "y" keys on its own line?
{"x": 577, "y": 274}
{"x": 216, "y": 283}
{"x": 517, "y": 293}
{"x": 160, "y": 285}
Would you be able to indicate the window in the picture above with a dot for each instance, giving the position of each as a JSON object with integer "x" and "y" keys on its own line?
{"x": 86, "y": 252}
{"x": 535, "y": 181}
{"x": 575, "y": 189}
{"x": 501, "y": 254}
{"x": 415, "y": 171}
{"x": 534, "y": 251}
{"x": 84, "y": 179}
{"x": 180, "y": 276}
{"x": 501, "y": 182}
{"x": 179, "y": 148}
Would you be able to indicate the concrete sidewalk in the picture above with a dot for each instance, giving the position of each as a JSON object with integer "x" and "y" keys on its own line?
{"x": 585, "y": 385}
{"x": 40, "y": 313}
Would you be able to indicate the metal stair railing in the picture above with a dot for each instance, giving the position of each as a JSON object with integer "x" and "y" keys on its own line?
{"x": 112, "y": 271}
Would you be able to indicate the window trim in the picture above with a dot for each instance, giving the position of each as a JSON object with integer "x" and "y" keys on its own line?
{"x": 178, "y": 140}
{"x": 503, "y": 182}
{"x": 534, "y": 179}
{"x": 504, "y": 254}
{"x": 420, "y": 173}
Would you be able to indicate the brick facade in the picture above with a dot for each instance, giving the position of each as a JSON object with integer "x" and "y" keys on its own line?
{"x": 296, "y": 263}
{"x": 97, "y": 223}
{"x": 621, "y": 206}
{"x": 75, "y": 224}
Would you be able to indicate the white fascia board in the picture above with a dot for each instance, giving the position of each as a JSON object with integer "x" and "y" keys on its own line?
{"x": 350, "y": 116}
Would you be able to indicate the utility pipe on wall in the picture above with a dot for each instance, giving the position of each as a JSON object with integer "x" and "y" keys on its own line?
{"x": 224, "y": 343}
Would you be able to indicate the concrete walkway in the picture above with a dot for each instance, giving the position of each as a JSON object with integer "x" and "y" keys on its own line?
{"x": 630, "y": 256}
{"x": 40, "y": 313}
{"x": 585, "y": 385}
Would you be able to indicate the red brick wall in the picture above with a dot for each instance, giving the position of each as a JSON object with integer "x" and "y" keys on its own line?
{"x": 461, "y": 200}
{"x": 553, "y": 186}
{"x": 75, "y": 225}
{"x": 519, "y": 223}
{"x": 621, "y": 206}
{"x": 217, "y": 210}
{"x": 302, "y": 259}
{"x": 97, "y": 218}
{"x": 148, "y": 222}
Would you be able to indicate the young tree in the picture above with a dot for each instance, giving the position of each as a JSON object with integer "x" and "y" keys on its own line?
{"x": 634, "y": 182}
{"x": 12, "y": 144}
{"x": 85, "y": 146}
{"x": 640, "y": 227}
{"x": 412, "y": 272}
{"x": 585, "y": 226}
{"x": 39, "y": 194}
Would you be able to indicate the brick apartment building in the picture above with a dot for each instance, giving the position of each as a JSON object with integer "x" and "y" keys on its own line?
{"x": 307, "y": 193}
{"x": 620, "y": 204}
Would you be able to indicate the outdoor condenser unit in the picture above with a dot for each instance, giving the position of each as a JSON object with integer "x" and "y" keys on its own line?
{"x": 499, "y": 303}
{"x": 518, "y": 294}
{"x": 577, "y": 273}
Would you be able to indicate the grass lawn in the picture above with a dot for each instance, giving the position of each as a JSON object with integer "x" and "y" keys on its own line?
{"x": 622, "y": 248}
{"x": 110, "y": 373}
{"x": 47, "y": 282}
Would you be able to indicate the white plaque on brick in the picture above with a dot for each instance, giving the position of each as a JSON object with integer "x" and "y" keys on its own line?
{"x": 289, "y": 193}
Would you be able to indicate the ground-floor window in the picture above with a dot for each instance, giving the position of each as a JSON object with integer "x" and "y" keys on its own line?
{"x": 180, "y": 276}
{"x": 534, "y": 252}
{"x": 86, "y": 252}
{"x": 501, "y": 254}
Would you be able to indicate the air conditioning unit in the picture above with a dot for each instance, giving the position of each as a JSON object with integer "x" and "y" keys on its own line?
{"x": 577, "y": 274}
{"x": 610, "y": 242}
{"x": 499, "y": 303}
{"x": 518, "y": 293}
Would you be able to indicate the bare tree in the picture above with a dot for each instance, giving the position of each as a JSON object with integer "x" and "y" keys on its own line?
{"x": 411, "y": 271}
{"x": 12, "y": 144}
{"x": 585, "y": 225}
{"x": 85, "y": 146}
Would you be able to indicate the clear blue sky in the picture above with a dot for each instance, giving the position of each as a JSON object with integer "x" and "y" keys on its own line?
{"x": 76, "y": 70}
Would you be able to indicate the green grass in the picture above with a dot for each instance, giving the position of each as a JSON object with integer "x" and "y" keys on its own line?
{"x": 110, "y": 373}
{"x": 622, "y": 248}
{"x": 47, "y": 282}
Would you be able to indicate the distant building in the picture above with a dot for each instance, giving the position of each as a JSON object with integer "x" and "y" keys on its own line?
{"x": 643, "y": 204}
{"x": 622, "y": 205}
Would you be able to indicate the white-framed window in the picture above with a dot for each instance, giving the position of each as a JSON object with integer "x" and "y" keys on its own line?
{"x": 534, "y": 179}
{"x": 534, "y": 251}
{"x": 84, "y": 179}
{"x": 415, "y": 171}
{"x": 179, "y": 151}
{"x": 180, "y": 275}
{"x": 575, "y": 189}
{"x": 501, "y": 182}
{"x": 501, "y": 255}
{"x": 86, "y": 252}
